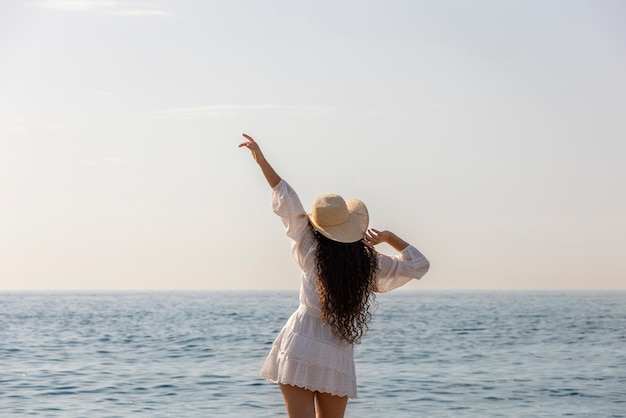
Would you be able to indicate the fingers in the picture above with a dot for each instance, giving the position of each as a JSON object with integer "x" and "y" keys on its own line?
{"x": 249, "y": 138}
{"x": 371, "y": 238}
{"x": 250, "y": 144}
{"x": 367, "y": 240}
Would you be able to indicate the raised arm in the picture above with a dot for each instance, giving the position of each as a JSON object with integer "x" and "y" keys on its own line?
{"x": 268, "y": 171}
{"x": 396, "y": 271}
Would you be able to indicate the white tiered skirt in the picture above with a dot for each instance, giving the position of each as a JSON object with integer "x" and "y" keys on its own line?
{"x": 307, "y": 354}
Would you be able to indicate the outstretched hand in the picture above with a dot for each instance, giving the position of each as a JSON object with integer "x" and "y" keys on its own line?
{"x": 253, "y": 147}
{"x": 270, "y": 175}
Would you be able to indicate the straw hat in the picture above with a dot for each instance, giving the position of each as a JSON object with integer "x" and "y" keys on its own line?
{"x": 338, "y": 219}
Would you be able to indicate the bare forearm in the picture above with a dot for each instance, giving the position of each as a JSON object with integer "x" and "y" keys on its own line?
{"x": 268, "y": 171}
{"x": 396, "y": 242}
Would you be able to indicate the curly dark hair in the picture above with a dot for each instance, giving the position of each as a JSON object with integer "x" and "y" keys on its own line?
{"x": 346, "y": 279}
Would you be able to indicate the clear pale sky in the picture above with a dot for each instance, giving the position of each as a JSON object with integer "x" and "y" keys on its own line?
{"x": 490, "y": 134}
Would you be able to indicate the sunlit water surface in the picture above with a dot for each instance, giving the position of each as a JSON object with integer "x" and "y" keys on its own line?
{"x": 198, "y": 354}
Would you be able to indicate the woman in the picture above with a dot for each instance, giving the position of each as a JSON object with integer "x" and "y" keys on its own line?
{"x": 312, "y": 357}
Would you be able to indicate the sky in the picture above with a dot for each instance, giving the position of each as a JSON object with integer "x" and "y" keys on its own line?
{"x": 489, "y": 134}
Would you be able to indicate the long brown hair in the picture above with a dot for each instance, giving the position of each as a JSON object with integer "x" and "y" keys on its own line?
{"x": 346, "y": 278}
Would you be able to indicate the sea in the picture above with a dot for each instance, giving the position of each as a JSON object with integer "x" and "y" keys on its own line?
{"x": 198, "y": 354}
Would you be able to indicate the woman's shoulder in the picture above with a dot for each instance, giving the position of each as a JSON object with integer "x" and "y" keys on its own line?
{"x": 285, "y": 197}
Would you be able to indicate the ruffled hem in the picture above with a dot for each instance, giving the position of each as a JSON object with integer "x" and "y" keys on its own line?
{"x": 307, "y": 355}
{"x": 308, "y": 376}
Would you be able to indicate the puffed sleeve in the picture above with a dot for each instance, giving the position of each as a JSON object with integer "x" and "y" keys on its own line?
{"x": 287, "y": 205}
{"x": 396, "y": 271}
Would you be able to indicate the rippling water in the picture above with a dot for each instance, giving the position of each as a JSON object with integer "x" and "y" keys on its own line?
{"x": 431, "y": 354}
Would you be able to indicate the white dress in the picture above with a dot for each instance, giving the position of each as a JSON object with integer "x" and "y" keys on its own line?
{"x": 306, "y": 353}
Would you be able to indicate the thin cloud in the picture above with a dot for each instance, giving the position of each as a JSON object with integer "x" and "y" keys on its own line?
{"x": 142, "y": 12}
{"x": 17, "y": 120}
{"x": 105, "y": 161}
{"x": 77, "y": 4}
{"x": 117, "y": 161}
{"x": 208, "y": 112}
{"x": 55, "y": 127}
{"x": 25, "y": 119}
{"x": 103, "y": 6}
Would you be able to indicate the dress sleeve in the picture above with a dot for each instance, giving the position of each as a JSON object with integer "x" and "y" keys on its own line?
{"x": 287, "y": 205}
{"x": 396, "y": 271}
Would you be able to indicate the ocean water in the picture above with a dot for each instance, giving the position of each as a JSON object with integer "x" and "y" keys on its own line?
{"x": 198, "y": 354}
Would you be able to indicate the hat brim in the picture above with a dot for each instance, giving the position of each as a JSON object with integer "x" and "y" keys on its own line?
{"x": 351, "y": 230}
